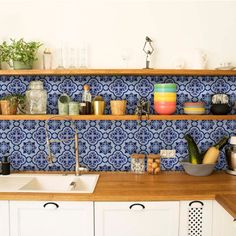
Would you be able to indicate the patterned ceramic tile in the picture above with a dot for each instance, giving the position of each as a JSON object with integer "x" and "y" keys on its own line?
{"x": 107, "y": 145}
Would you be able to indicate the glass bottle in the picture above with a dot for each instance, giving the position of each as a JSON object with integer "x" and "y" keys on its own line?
{"x": 87, "y": 99}
{"x": 47, "y": 59}
{"x": 36, "y": 98}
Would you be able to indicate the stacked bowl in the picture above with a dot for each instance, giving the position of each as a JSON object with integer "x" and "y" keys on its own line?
{"x": 165, "y": 98}
{"x": 194, "y": 108}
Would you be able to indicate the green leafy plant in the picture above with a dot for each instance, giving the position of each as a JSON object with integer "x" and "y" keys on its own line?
{"x": 5, "y": 52}
{"x": 23, "y": 51}
{"x": 14, "y": 98}
{"x": 19, "y": 51}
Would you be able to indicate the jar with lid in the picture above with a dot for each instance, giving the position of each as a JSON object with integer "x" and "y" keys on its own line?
{"x": 153, "y": 164}
{"x": 138, "y": 163}
{"x": 36, "y": 98}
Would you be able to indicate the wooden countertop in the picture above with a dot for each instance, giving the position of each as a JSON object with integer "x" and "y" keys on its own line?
{"x": 228, "y": 201}
{"x": 124, "y": 186}
{"x": 167, "y": 186}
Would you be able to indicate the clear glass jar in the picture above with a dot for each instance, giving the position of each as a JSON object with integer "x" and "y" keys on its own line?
{"x": 36, "y": 98}
{"x": 47, "y": 59}
{"x": 153, "y": 164}
{"x": 138, "y": 163}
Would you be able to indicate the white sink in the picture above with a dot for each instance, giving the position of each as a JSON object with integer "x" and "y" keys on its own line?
{"x": 49, "y": 183}
{"x": 10, "y": 183}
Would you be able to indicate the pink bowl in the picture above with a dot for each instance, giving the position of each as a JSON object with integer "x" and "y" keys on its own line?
{"x": 164, "y": 109}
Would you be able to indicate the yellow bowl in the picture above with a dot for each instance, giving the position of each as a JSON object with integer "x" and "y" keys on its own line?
{"x": 165, "y": 94}
{"x": 164, "y": 99}
{"x": 194, "y": 109}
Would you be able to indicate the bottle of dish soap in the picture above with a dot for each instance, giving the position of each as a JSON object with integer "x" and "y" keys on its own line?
{"x": 5, "y": 166}
{"x": 87, "y": 99}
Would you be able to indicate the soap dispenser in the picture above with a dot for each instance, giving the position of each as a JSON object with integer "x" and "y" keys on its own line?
{"x": 5, "y": 166}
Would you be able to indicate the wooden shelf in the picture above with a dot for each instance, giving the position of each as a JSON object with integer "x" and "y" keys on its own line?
{"x": 124, "y": 117}
{"x": 185, "y": 72}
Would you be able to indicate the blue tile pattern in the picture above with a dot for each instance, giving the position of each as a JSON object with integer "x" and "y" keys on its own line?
{"x": 107, "y": 145}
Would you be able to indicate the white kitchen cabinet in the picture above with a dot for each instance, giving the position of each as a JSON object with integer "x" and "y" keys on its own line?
{"x": 39, "y": 218}
{"x": 137, "y": 218}
{"x": 223, "y": 222}
{"x": 195, "y": 218}
{"x": 4, "y": 218}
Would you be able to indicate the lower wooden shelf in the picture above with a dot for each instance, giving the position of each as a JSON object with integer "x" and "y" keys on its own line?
{"x": 124, "y": 117}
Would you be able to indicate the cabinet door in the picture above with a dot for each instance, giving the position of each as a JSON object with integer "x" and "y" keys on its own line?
{"x": 136, "y": 218}
{"x": 223, "y": 222}
{"x": 195, "y": 218}
{"x": 4, "y": 218}
{"x": 51, "y": 218}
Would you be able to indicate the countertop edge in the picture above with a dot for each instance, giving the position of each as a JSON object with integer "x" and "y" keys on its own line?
{"x": 228, "y": 202}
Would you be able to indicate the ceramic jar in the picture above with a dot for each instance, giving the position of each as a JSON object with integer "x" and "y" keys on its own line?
{"x": 63, "y": 104}
{"x": 118, "y": 107}
{"x": 36, "y": 98}
{"x": 165, "y": 98}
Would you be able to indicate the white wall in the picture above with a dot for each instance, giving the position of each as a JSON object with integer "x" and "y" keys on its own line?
{"x": 116, "y": 28}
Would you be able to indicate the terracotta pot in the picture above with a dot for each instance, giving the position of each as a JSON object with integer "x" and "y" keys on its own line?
{"x": 118, "y": 107}
{"x": 8, "y": 107}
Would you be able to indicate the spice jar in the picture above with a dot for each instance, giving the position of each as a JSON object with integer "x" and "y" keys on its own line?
{"x": 138, "y": 163}
{"x": 36, "y": 98}
{"x": 153, "y": 164}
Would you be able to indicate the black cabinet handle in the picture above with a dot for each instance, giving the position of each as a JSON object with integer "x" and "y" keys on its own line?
{"x": 137, "y": 204}
{"x": 51, "y": 205}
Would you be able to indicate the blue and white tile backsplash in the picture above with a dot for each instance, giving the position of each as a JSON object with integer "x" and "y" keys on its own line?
{"x": 107, "y": 145}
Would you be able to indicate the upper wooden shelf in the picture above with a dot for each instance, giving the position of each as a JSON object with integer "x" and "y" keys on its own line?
{"x": 117, "y": 72}
{"x": 124, "y": 117}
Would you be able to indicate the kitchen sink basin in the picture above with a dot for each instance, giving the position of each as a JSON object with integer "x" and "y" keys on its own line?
{"x": 49, "y": 183}
{"x": 11, "y": 183}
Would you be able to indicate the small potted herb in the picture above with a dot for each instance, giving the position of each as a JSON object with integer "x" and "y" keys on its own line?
{"x": 10, "y": 103}
{"x": 19, "y": 52}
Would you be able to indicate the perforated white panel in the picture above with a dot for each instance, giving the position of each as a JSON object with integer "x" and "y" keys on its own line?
{"x": 195, "y": 219}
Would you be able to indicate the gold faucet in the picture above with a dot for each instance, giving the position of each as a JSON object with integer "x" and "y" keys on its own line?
{"x": 78, "y": 169}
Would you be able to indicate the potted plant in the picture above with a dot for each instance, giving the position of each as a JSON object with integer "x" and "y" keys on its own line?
{"x": 5, "y": 52}
{"x": 10, "y": 103}
{"x": 19, "y": 52}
